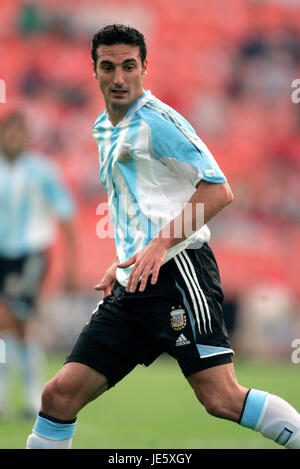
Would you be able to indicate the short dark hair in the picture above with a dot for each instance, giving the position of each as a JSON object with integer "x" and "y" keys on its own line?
{"x": 118, "y": 34}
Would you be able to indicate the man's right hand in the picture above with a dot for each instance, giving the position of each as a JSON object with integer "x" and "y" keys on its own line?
{"x": 108, "y": 280}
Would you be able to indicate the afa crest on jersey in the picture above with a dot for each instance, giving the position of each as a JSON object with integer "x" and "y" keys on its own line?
{"x": 126, "y": 152}
{"x": 178, "y": 319}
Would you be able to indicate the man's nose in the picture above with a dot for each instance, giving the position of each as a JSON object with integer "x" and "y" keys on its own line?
{"x": 118, "y": 77}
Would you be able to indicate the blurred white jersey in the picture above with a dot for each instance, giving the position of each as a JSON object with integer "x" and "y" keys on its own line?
{"x": 32, "y": 195}
{"x": 150, "y": 164}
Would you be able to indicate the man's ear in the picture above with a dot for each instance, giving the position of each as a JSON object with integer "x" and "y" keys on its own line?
{"x": 94, "y": 68}
{"x": 145, "y": 67}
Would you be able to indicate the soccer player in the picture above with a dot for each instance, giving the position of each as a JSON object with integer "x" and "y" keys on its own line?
{"x": 31, "y": 194}
{"x": 162, "y": 292}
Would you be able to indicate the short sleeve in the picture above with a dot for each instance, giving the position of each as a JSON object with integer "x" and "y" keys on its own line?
{"x": 175, "y": 141}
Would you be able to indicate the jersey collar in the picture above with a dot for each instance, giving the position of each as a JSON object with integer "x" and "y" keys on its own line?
{"x": 140, "y": 102}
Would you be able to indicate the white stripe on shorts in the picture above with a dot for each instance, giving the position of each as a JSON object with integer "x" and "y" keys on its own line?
{"x": 95, "y": 311}
{"x": 180, "y": 268}
{"x": 192, "y": 288}
{"x": 200, "y": 289}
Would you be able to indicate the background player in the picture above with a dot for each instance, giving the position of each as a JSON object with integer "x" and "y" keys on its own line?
{"x": 110, "y": 344}
{"x": 31, "y": 196}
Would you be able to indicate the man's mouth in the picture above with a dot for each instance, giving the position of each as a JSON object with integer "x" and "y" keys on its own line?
{"x": 118, "y": 93}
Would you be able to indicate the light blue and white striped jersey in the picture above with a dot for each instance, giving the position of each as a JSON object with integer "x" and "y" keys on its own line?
{"x": 150, "y": 164}
{"x": 32, "y": 195}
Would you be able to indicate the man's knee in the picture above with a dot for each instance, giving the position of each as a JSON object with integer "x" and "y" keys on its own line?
{"x": 71, "y": 388}
{"x": 59, "y": 398}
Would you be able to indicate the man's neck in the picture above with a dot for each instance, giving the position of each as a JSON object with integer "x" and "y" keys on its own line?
{"x": 116, "y": 115}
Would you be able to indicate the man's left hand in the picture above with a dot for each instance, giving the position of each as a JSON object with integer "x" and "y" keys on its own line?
{"x": 147, "y": 260}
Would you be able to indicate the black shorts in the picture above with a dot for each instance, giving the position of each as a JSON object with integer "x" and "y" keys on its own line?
{"x": 180, "y": 315}
{"x": 20, "y": 282}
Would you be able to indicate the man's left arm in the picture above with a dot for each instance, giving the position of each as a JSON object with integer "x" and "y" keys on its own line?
{"x": 213, "y": 198}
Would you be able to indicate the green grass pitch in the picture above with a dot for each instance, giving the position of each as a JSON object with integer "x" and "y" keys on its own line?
{"x": 155, "y": 408}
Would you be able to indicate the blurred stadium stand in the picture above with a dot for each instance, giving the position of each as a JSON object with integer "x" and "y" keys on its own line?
{"x": 227, "y": 66}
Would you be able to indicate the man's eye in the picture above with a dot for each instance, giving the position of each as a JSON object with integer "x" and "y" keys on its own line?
{"x": 106, "y": 68}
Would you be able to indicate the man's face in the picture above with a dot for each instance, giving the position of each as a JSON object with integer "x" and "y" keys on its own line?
{"x": 120, "y": 74}
{"x": 14, "y": 138}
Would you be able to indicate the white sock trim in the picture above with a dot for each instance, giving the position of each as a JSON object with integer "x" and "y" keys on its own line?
{"x": 35, "y": 441}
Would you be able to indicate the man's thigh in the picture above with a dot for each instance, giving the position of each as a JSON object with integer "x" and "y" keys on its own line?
{"x": 113, "y": 342}
{"x": 82, "y": 381}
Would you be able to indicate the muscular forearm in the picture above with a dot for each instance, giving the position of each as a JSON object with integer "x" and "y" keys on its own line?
{"x": 208, "y": 200}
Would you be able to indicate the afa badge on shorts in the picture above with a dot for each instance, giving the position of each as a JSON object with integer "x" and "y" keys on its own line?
{"x": 178, "y": 319}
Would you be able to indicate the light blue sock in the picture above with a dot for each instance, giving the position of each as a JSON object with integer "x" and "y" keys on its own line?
{"x": 48, "y": 434}
{"x": 53, "y": 430}
{"x": 254, "y": 406}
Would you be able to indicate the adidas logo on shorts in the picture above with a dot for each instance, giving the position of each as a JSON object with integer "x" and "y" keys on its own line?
{"x": 182, "y": 340}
